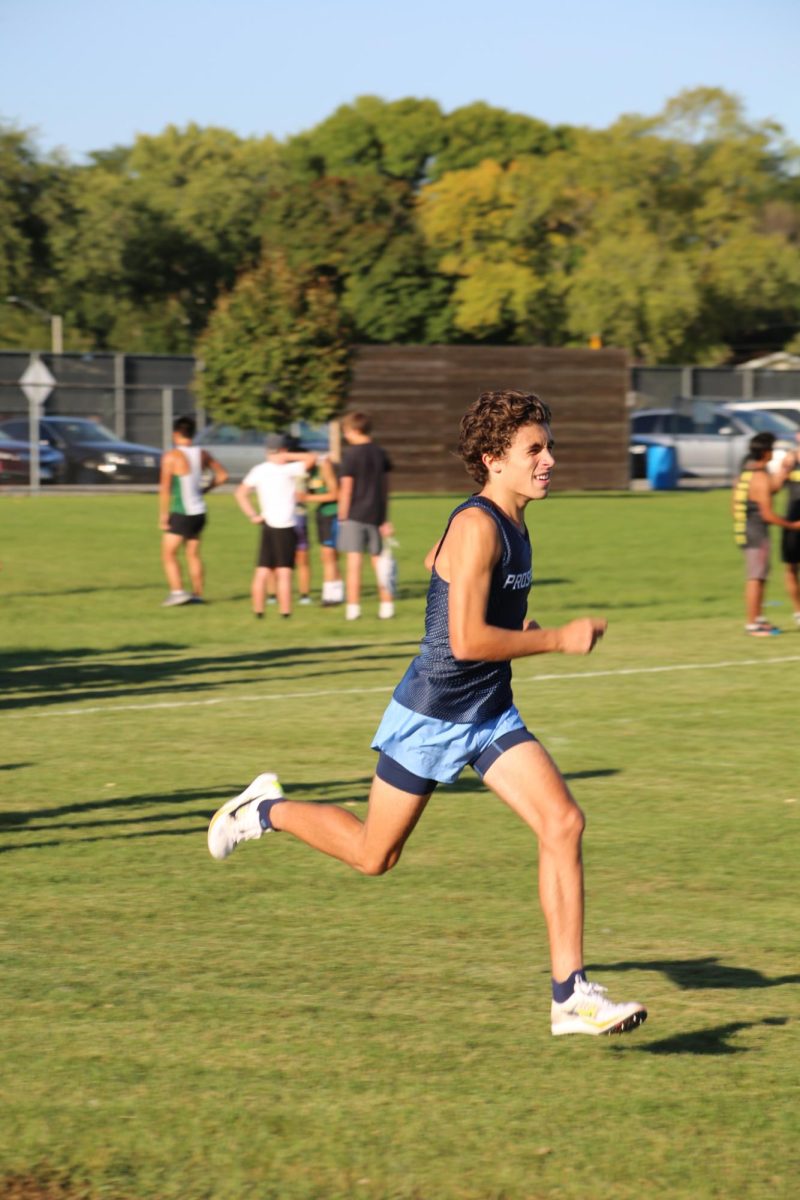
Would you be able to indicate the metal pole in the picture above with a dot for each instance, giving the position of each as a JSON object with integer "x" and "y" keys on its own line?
{"x": 167, "y": 406}
{"x": 33, "y": 438}
{"x": 57, "y": 334}
{"x": 687, "y": 382}
{"x": 119, "y": 395}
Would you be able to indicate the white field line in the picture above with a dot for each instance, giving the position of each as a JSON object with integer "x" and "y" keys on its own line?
{"x": 269, "y": 697}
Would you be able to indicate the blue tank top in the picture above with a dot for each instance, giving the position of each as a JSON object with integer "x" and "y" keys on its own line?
{"x": 438, "y": 685}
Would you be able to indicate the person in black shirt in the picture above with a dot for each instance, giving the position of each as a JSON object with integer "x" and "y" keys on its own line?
{"x": 363, "y": 510}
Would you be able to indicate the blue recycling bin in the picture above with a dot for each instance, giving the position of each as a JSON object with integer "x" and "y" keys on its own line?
{"x": 662, "y": 468}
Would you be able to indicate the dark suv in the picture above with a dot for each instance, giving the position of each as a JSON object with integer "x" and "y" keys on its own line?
{"x": 93, "y": 453}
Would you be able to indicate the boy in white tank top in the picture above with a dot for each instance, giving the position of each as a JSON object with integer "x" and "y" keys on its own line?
{"x": 182, "y": 510}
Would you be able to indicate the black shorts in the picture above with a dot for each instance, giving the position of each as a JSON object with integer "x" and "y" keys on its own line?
{"x": 278, "y": 547}
{"x": 187, "y": 525}
{"x": 327, "y": 525}
{"x": 790, "y": 545}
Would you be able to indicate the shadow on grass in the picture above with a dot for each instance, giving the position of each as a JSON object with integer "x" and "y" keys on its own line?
{"x": 57, "y": 817}
{"x": 50, "y": 678}
{"x": 467, "y": 785}
{"x": 701, "y": 973}
{"x": 81, "y": 591}
{"x": 713, "y": 1041}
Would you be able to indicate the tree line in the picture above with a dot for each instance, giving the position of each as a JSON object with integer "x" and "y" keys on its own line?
{"x": 676, "y": 236}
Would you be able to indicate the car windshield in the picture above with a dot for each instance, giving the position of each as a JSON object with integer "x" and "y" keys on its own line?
{"x": 78, "y": 431}
{"x": 230, "y": 435}
{"x": 761, "y": 420}
{"x": 5, "y": 439}
{"x": 786, "y": 414}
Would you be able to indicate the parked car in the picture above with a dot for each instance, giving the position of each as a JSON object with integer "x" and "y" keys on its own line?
{"x": 240, "y": 449}
{"x": 15, "y": 462}
{"x": 93, "y": 453}
{"x": 710, "y": 440}
{"x": 789, "y": 409}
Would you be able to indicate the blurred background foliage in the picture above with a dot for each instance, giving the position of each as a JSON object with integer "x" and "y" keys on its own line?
{"x": 675, "y": 236}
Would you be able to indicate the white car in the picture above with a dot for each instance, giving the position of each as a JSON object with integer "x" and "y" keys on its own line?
{"x": 240, "y": 449}
{"x": 788, "y": 409}
{"x": 710, "y": 440}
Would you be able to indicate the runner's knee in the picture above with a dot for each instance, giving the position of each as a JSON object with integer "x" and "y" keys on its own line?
{"x": 565, "y": 826}
{"x": 371, "y": 863}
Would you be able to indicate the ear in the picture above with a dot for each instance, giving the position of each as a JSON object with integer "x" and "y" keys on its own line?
{"x": 493, "y": 464}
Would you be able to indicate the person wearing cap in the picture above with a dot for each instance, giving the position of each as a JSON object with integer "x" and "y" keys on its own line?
{"x": 274, "y": 482}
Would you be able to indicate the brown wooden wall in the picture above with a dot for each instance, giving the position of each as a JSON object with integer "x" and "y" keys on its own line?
{"x": 416, "y": 396}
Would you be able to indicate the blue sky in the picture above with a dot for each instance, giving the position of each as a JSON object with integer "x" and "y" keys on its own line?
{"x": 89, "y": 74}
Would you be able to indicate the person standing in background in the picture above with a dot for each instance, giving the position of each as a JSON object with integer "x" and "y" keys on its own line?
{"x": 323, "y": 490}
{"x": 275, "y": 483}
{"x": 790, "y": 538}
{"x": 182, "y": 509}
{"x": 752, "y": 516}
{"x": 363, "y": 510}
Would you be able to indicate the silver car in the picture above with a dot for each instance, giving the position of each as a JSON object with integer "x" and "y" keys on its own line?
{"x": 711, "y": 440}
{"x": 788, "y": 409}
{"x": 240, "y": 449}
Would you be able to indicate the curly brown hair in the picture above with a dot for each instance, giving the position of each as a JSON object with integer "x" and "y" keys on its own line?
{"x": 490, "y": 423}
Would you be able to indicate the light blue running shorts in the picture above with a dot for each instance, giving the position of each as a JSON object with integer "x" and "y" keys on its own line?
{"x": 437, "y": 751}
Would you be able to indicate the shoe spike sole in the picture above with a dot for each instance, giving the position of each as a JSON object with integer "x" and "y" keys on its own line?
{"x": 632, "y": 1022}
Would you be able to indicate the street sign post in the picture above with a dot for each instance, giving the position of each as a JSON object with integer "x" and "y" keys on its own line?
{"x": 37, "y": 382}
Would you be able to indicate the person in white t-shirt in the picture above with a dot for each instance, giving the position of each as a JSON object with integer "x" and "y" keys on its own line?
{"x": 275, "y": 483}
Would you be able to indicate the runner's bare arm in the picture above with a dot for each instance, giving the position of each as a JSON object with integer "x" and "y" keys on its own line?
{"x": 466, "y": 561}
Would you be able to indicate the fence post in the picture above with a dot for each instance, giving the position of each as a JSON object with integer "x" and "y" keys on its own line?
{"x": 167, "y": 406}
{"x": 119, "y": 395}
{"x": 35, "y": 407}
{"x": 687, "y": 382}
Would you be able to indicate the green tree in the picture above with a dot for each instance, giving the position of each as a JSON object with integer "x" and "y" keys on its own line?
{"x": 499, "y": 240}
{"x": 28, "y": 184}
{"x": 275, "y": 350}
{"x": 396, "y": 139}
{"x": 674, "y": 247}
{"x": 362, "y": 233}
{"x": 478, "y": 131}
{"x": 149, "y": 235}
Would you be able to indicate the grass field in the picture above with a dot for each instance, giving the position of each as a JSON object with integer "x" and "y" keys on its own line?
{"x": 278, "y": 1028}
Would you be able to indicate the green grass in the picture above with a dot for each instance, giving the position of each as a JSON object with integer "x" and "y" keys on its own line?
{"x": 279, "y": 1028}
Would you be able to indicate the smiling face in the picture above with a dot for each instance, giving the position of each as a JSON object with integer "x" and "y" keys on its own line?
{"x": 525, "y": 470}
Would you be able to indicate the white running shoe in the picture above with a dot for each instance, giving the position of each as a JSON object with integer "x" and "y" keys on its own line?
{"x": 589, "y": 1010}
{"x": 176, "y": 598}
{"x": 238, "y": 820}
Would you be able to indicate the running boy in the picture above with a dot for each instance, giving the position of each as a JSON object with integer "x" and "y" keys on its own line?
{"x": 454, "y": 708}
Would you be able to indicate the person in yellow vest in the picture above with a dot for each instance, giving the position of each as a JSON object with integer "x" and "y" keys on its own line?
{"x": 752, "y": 516}
{"x": 790, "y": 539}
{"x": 182, "y": 509}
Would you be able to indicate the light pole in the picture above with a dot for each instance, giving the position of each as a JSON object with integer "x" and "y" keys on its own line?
{"x": 56, "y": 322}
